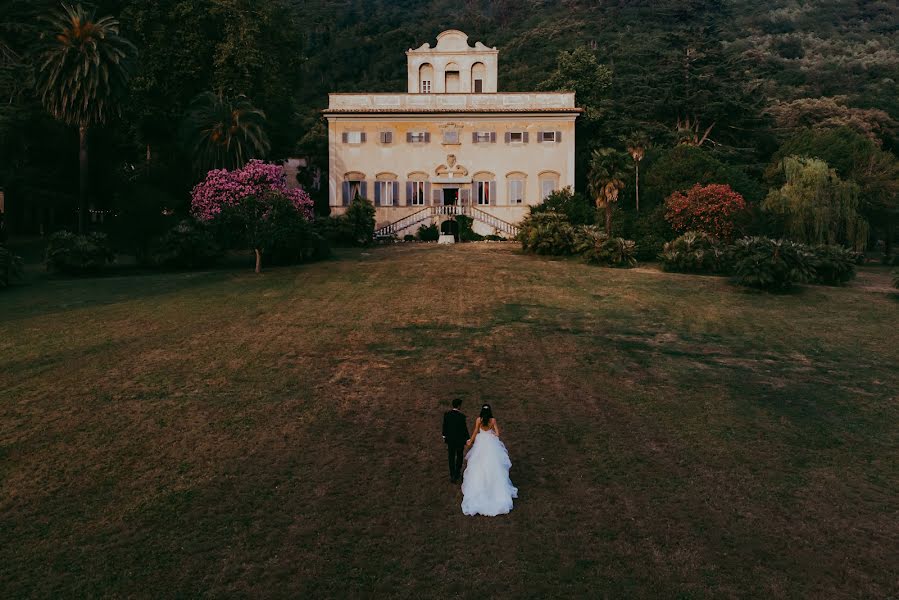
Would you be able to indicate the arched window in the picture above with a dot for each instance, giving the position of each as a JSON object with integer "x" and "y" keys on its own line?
{"x": 478, "y": 77}
{"x": 418, "y": 189}
{"x": 425, "y": 77}
{"x": 516, "y": 184}
{"x": 483, "y": 188}
{"x": 354, "y": 184}
{"x": 549, "y": 182}
{"x": 452, "y": 81}
{"x": 387, "y": 190}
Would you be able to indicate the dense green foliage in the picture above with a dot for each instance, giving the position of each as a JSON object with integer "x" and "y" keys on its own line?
{"x": 595, "y": 247}
{"x": 695, "y": 252}
{"x": 76, "y": 254}
{"x": 573, "y": 205}
{"x": 774, "y": 265}
{"x": 834, "y": 265}
{"x": 429, "y": 233}
{"x": 547, "y": 233}
{"x": 10, "y": 267}
{"x": 816, "y": 206}
{"x": 187, "y": 245}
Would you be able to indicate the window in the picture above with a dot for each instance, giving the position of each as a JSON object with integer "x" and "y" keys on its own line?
{"x": 483, "y": 137}
{"x": 418, "y": 137}
{"x": 547, "y": 186}
{"x": 516, "y": 191}
{"x": 482, "y": 190}
{"x": 353, "y": 185}
{"x": 417, "y": 191}
{"x": 386, "y": 137}
{"x": 386, "y": 193}
{"x": 450, "y": 137}
{"x": 452, "y": 81}
{"x": 548, "y": 136}
{"x": 425, "y": 87}
{"x": 478, "y": 86}
{"x": 516, "y": 137}
{"x": 353, "y": 137}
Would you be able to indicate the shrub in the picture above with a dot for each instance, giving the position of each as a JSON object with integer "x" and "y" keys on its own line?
{"x": 466, "y": 233}
{"x": 292, "y": 239}
{"x": 771, "y": 264}
{"x": 599, "y": 249}
{"x": 711, "y": 209}
{"x": 187, "y": 245}
{"x": 694, "y": 252}
{"x": 648, "y": 229}
{"x": 573, "y": 205}
{"x": 335, "y": 230}
{"x": 494, "y": 238}
{"x": 896, "y": 279}
{"x": 10, "y": 267}
{"x": 429, "y": 233}
{"x": 360, "y": 218}
{"x": 408, "y": 238}
{"x": 547, "y": 233}
{"x": 834, "y": 265}
{"x": 77, "y": 254}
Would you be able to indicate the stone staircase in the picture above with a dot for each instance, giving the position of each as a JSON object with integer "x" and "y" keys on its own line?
{"x": 430, "y": 212}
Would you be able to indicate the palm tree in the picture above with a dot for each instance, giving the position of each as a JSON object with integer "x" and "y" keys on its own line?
{"x": 636, "y": 145}
{"x": 226, "y": 132}
{"x": 81, "y": 68}
{"x": 606, "y": 173}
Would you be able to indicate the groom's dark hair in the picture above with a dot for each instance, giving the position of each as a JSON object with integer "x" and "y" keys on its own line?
{"x": 457, "y": 402}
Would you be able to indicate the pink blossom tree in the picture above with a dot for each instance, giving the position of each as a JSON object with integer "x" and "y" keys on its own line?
{"x": 251, "y": 196}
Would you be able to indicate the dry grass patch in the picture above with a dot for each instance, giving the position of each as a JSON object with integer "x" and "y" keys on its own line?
{"x": 229, "y": 434}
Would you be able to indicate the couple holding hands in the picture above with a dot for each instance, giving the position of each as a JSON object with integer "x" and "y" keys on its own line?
{"x": 486, "y": 487}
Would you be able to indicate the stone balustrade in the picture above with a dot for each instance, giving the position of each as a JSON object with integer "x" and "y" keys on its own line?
{"x": 502, "y": 102}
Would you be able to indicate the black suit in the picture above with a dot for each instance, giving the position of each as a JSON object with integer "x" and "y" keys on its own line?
{"x": 455, "y": 434}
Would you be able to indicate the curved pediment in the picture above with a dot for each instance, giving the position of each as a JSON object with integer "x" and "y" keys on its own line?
{"x": 452, "y": 40}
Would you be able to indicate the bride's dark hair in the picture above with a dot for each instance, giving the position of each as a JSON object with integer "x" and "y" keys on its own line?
{"x": 486, "y": 415}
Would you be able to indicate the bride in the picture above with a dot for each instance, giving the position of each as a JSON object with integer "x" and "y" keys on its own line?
{"x": 486, "y": 487}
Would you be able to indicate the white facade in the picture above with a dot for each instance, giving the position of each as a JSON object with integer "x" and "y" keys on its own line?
{"x": 430, "y": 154}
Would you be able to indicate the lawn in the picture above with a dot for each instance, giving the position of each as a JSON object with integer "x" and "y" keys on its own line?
{"x": 228, "y": 434}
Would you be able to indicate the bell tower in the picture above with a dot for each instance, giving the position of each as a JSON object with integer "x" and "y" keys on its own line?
{"x": 452, "y": 66}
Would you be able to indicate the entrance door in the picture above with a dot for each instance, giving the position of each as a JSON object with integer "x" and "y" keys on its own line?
{"x": 450, "y": 196}
{"x": 450, "y": 227}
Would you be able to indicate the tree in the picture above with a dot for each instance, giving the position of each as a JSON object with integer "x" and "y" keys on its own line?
{"x": 608, "y": 169}
{"x": 854, "y": 157}
{"x": 82, "y": 69}
{"x": 710, "y": 209}
{"x": 226, "y": 132}
{"x": 831, "y": 113}
{"x": 816, "y": 206}
{"x": 636, "y": 144}
{"x": 579, "y": 71}
{"x": 573, "y": 205}
{"x": 679, "y": 168}
{"x": 246, "y": 200}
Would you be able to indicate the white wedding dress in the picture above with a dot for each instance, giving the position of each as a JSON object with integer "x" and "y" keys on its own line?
{"x": 486, "y": 487}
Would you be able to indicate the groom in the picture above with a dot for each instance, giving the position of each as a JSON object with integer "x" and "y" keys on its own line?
{"x": 455, "y": 434}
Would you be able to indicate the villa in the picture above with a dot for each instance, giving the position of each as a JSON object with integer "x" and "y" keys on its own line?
{"x": 452, "y": 145}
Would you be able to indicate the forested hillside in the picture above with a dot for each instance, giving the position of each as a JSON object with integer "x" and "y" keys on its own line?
{"x": 734, "y": 78}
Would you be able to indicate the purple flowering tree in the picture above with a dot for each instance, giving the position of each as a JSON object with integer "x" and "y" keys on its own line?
{"x": 251, "y": 196}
